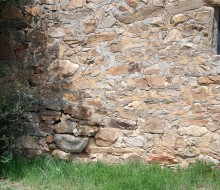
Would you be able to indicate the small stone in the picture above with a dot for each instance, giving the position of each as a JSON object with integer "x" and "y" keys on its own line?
{"x": 143, "y": 84}
{"x": 179, "y": 18}
{"x": 50, "y": 138}
{"x": 173, "y": 36}
{"x": 60, "y": 154}
{"x": 52, "y": 146}
{"x": 107, "y": 21}
{"x": 134, "y": 105}
{"x": 157, "y": 22}
{"x": 69, "y": 143}
{"x": 65, "y": 127}
{"x": 202, "y": 16}
{"x": 153, "y": 69}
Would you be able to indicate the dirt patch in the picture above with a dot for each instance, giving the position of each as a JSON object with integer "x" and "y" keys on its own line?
{"x": 12, "y": 185}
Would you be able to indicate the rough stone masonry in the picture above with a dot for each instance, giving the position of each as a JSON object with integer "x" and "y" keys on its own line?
{"x": 125, "y": 80}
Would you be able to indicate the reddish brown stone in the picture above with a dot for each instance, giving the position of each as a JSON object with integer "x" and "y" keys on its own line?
{"x": 50, "y": 138}
{"x": 132, "y": 3}
{"x": 161, "y": 158}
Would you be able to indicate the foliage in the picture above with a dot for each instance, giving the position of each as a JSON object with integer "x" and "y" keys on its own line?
{"x": 15, "y": 101}
{"x": 53, "y": 174}
{"x": 19, "y": 3}
{"x": 11, "y": 1}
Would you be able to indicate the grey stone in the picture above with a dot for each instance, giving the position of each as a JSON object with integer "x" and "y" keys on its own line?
{"x": 70, "y": 143}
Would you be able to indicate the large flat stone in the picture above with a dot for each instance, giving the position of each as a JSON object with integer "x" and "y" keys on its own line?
{"x": 141, "y": 14}
{"x": 181, "y": 6}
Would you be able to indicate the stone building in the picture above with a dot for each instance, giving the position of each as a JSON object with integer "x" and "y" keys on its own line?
{"x": 123, "y": 80}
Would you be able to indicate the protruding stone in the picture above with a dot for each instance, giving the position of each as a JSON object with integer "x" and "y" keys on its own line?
{"x": 106, "y": 136}
{"x": 179, "y": 18}
{"x": 70, "y": 143}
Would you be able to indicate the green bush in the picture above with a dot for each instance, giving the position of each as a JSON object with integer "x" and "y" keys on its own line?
{"x": 15, "y": 101}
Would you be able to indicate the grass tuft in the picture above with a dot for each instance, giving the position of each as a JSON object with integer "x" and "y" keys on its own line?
{"x": 53, "y": 174}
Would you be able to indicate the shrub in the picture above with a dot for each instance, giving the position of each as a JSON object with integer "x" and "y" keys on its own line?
{"x": 15, "y": 101}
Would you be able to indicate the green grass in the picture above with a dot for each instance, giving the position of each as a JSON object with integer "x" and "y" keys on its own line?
{"x": 54, "y": 174}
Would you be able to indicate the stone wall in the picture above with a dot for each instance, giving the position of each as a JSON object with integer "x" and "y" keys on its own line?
{"x": 132, "y": 79}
